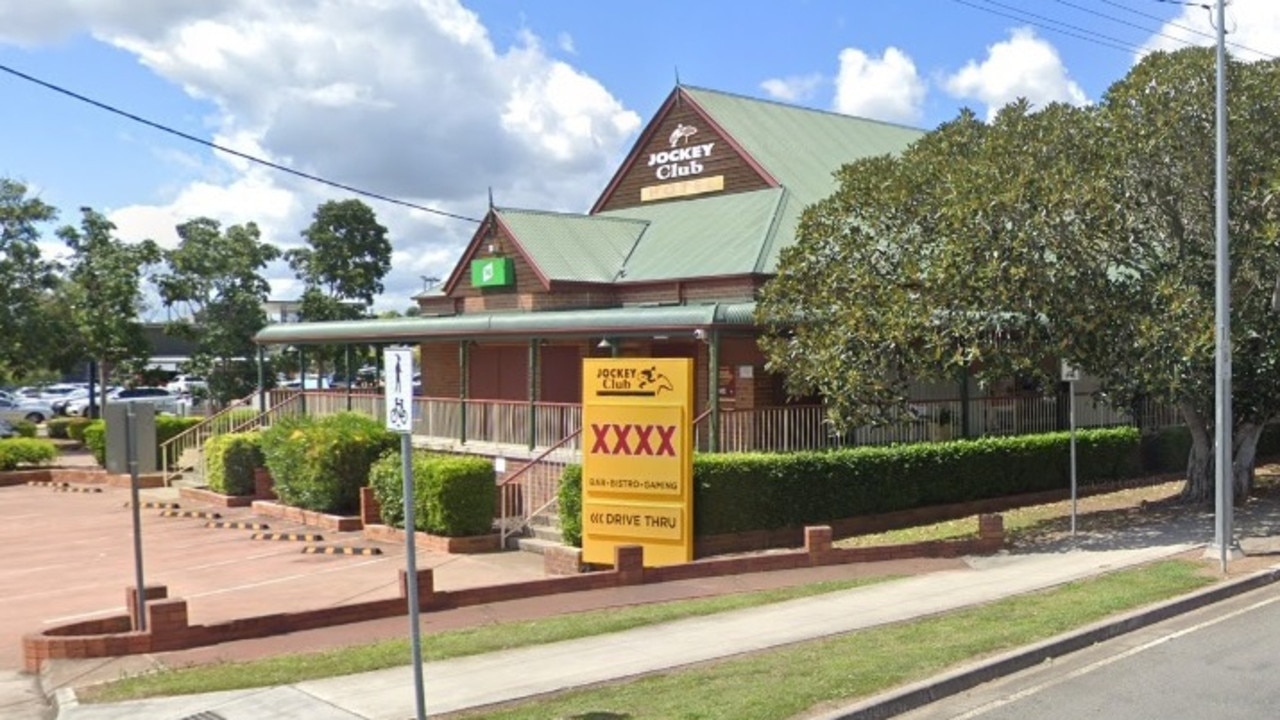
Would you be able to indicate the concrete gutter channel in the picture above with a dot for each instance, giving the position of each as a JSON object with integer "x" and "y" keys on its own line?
{"x": 917, "y": 695}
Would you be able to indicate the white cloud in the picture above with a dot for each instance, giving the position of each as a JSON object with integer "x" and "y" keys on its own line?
{"x": 1024, "y": 66}
{"x": 1253, "y": 27}
{"x": 407, "y": 99}
{"x": 793, "y": 89}
{"x": 885, "y": 88}
{"x": 565, "y": 41}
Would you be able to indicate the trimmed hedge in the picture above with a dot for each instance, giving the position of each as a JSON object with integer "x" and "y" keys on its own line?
{"x": 75, "y": 428}
{"x": 743, "y": 492}
{"x": 453, "y": 496}
{"x": 15, "y": 452}
{"x": 169, "y": 427}
{"x": 57, "y": 428}
{"x": 95, "y": 438}
{"x": 230, "y": 461}
{"x": 321, "y": 463}
{"x": 25, "y": 428}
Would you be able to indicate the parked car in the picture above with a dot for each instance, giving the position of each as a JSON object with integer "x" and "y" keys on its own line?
{"x": 7, "y": 430}
{"x": 186, "y": 384}
{"x": 163, "y": 400}
{"x": 60, "y": 405}
{"x": 29, "y": 409}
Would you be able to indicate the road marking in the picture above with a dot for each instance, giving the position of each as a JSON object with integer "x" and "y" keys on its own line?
{"x": 1028, "y": 692}
{"x": 287, "y": 578}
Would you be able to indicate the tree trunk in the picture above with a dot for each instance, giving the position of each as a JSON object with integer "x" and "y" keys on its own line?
{"x": 1201, "y": 484}
{"x": 104, "y": 372}
{"x": 1245, "y": 450}
{"x": 1200, "y": 473}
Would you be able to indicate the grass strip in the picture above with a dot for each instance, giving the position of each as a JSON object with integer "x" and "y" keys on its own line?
{"x": 866, "y": 662}
{"x": 292, "y": 668}
{"x": 1095, "y": 512}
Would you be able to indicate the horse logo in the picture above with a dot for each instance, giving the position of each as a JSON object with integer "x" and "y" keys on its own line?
{"x": 682, "y": 133}
{"x": 657, "y": 380}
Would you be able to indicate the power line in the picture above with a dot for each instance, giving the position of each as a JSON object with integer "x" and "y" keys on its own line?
{"x": 1087, "y": 36}
{"x": 1185, "y": 28}
{"x": 1121, "y": 21}
{"x": 230, "y": 151}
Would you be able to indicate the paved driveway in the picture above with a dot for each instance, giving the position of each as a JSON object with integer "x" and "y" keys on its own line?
{"x": 69, "y": 556}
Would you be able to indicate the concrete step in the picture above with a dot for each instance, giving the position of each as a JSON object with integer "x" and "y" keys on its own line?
{"x": 546, "y": 533}
{"x": 531, "y": 544}
{"x": 545, "y": 520}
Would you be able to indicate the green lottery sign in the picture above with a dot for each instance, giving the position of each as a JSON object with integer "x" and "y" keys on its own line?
{"x": 492, "y": 272}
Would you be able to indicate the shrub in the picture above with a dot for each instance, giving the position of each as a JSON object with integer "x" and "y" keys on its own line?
{"x": 15, "y": 452}
{"x": 569, "y": 505}
{"x": 57, "y": 428}
{"x": 453, "y": 496}
{"x": 95, "y": 438}
{"x": 75, "y": 428}
{"x": 169, "y": 427}
{"x": 230, "y": 461}
{"x": 25, "y": 428}
{"x": 321, "y": 464}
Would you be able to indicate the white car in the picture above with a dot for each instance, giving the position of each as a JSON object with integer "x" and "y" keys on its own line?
{"x": 20, "y": 408}
{"x": 186, "y": 384}
{"x": 163, "y": 400}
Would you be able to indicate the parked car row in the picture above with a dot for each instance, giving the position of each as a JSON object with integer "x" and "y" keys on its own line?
{"x": 162, "y": 399}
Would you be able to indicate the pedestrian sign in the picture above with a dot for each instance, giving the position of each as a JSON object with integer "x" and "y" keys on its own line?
{"x": 398, "y": 382}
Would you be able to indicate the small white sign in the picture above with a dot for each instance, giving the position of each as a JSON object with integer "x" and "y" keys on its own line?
{"x": 397, "y": 373}
{"x": 1070, "y": 373}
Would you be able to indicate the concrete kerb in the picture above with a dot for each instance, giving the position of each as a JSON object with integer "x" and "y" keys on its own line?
{"x": 919, "y": 694}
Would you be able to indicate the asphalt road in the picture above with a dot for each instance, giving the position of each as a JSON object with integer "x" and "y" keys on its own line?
{"x": 1219, "y": 662}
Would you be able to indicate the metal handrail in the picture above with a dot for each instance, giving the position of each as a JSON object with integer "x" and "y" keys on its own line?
{"x": 505, "y": 495}
{"x": 183, "y": 441}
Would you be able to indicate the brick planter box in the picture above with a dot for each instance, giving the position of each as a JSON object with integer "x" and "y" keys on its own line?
{"x": 210, "y": 497}
{"x": 310, "y": 518}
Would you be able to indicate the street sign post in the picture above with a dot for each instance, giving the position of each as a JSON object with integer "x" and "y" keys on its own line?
{"x": 1070, "y": 375}
{"x": 398, "y": 383}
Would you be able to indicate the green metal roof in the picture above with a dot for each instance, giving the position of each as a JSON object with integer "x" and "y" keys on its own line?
{"x": 717, "y": 235}
{"x": 801, "y": 147}
{"x": 637, "y": 320}
{"x": 582, "y": 248}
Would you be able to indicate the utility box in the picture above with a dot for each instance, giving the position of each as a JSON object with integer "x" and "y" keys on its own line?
{"x": 144, "y": 437}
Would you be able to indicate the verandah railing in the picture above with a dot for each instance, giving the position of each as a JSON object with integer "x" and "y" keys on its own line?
{"x": 537, "y": 426}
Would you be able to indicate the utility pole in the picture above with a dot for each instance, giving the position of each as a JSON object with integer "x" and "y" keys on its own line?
{"x": 1223, "y": 466}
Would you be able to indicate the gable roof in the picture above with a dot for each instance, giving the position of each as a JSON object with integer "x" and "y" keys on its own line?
{"x": 800, "y": 147}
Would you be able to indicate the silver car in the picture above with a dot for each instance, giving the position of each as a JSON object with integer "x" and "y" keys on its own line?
{"x": 18, "y": 408}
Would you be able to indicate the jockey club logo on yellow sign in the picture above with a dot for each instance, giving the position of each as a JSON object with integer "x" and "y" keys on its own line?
{"x": 637, "y": 458}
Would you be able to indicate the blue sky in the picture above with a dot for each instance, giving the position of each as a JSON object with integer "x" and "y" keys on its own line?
{"x": 437, "y": 101}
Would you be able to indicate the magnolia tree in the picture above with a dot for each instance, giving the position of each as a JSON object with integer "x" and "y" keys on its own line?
{"x": 1085, "y": 234}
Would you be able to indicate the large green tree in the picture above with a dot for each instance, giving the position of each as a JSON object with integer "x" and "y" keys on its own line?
{"x": 214, "y": 278}
{"x": 27, "y": 281}
{"x": 102, "y": 288}
{"x": 342, "y": 266}
{"x": 1083, "y": 234}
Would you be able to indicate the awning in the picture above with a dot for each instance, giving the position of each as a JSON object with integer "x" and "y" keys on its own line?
{"x": 616, "y": 322}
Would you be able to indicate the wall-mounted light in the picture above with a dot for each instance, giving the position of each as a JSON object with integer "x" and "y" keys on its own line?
{"x": 604, "y": 344}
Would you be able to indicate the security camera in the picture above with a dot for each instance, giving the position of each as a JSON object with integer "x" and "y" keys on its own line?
{"x": 700, "y": 334}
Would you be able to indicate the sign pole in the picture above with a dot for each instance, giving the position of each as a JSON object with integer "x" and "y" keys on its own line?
{"x": 1070, "y": 375}
{"x": 1071, "y": 388}
{"x": 398, "y": 382}
{"x": 131, "y": 450}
